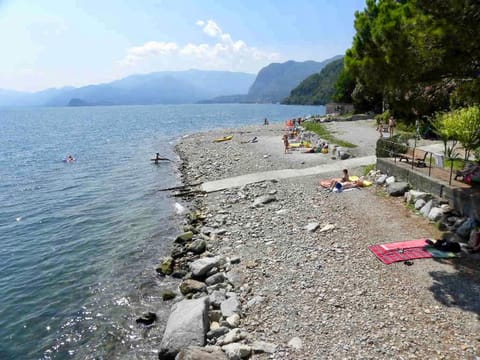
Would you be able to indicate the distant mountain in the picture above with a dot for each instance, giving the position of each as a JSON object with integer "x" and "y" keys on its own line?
{"x": 317, "y": 89}
{"x": 274, "y": 82}
{"x": 167, "y": 87}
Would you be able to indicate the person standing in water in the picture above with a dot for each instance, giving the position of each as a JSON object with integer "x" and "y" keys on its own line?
{"x": 158, "y": 158}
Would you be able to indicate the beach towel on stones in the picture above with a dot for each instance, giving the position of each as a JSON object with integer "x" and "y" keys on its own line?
{"x": 407, "y": 250}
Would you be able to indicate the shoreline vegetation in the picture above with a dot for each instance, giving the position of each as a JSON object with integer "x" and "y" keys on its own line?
{"x": 281, "y": 269}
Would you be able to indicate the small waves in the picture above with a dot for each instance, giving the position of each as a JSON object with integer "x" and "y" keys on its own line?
{"x": 79, "y": 241}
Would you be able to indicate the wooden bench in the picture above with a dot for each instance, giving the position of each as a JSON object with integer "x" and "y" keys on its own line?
{"x": 416, "y": 156}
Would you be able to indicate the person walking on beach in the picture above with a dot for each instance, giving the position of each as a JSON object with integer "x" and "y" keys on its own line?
{"x": 285, "y": 143}
{"x": 265, "y": 122}
{"x": 380, "y": 128}
{"x": 391, "y": 125}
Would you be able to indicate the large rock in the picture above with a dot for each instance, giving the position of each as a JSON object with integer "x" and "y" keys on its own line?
{"x": 230, "y": 306}
{"x": 186, "y": 326}
{"x": 263, "y": 347}
{"x": 264, "y": 199}
{"x": 200, "y": 267}
{"x": 166, "y": 267}
{"x": 201, "y": 353}
{"x": 183, "y": 238}
{"x": 464, "y": 230}
{"x": 397, "y": 188}
{"x": 215, "y": 279}
{"x": 419, "y": 204}
{"x": 237, "y": 351}
{"x": 414, "y": 195}
{"x": 381, "y": 179}
{"x": 217, "y": 297}
{"x": 390, "y": 180}
{"x": 192, "y": 286}
{"x": 234, "y": 335}
{"x": 435, "y": 214}
{"x": 236, "y": 277}
{"x": 425, "y": 210}
{"x": 198, "y": 246}
{"x": 312, "y": 226}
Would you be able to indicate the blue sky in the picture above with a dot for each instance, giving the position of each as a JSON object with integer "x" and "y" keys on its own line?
{"x": 54, "y": 43}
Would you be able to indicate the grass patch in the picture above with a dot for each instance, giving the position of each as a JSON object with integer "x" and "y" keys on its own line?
{"x": 368, "y": 168}
{"x": 458, "y": 164}
{"x": 322, "y": 131}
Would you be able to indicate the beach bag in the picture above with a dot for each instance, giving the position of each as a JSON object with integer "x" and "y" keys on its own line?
{"x": 324, "y": 151}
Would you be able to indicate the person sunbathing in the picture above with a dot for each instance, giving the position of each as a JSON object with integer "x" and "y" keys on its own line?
{"x": 345, "y": 182}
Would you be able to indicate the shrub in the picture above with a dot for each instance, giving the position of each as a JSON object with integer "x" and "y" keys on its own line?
{"x": 383, "y": 117}
{"x": 476, "y": 153}
{"x": 386, "y": 147}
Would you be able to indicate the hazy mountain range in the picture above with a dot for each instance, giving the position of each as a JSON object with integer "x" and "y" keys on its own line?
{"x": 275, "y": 81}
{"x": 272, "y": 84}
{"x": 166, "y": 87}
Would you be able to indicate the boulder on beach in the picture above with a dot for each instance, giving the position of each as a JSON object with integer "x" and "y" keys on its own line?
{"x": 187, "y": 326}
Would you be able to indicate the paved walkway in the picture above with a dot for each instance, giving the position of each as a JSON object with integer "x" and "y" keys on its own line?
{"x": 242, "y": 180}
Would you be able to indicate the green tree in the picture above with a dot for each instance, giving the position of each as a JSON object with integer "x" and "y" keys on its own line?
{"x": 447, "y": 128}
{"x": 415, "y": 53}
{"x": 343, "y": 87}
{"x": 468, "y": 122}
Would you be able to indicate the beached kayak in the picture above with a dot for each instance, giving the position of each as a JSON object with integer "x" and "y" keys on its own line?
{"x": 225, "y": 138}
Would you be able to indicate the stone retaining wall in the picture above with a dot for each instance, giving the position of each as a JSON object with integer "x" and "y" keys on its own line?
{"x": 466, "y": 201}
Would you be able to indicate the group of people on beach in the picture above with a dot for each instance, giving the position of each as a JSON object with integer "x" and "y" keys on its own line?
{"x": 391, "y": 126}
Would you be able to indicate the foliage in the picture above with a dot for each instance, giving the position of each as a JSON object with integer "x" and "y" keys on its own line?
{"x": 461, "y": 125}
{"x": 324, "y": 133}
{"x": 343, "y": 87}
{"x": 417, "y": 56}
{"x": 468, "y": 120}
{"x": 447, "y": 128}
{"x": 386, "y": 147}
{"x": 466, "y": 93}
{"x": 368, "y": 168}
{"x": 317, "y": 89}
{"x": 476, "y": 153}
{"x": 383, "y": 117}
{"x": 458, "y": 164}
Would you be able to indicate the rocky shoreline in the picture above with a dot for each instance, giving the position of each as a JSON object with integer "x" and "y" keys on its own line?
{"x": 288, "y": 272}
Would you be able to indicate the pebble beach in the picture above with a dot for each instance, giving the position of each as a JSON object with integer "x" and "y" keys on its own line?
{"x": 307, "y": 284}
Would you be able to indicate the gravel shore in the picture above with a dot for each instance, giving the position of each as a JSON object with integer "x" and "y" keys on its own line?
{"x": 322, "y": 294}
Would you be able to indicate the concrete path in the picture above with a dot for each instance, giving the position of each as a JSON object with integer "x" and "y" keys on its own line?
{"x": 242, "y": 180}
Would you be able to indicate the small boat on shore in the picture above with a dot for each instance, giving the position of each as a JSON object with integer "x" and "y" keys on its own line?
{"x": 225, "y": 138}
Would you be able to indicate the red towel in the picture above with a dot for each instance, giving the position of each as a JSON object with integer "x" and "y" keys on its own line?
{"x": 401, "y": 251}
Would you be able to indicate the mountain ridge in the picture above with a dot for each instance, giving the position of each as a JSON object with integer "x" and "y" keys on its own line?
{"x": 275, "y": 81}
{"x": 163, "y": 87}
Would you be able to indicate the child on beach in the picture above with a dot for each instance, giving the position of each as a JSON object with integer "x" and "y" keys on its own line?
{"x": 380, "y": 127}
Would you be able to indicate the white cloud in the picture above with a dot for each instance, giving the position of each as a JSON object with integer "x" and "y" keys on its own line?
{"x": 151, "y": 48}
{"x": 211, "y": 28}
{"x": 223, "y": 53}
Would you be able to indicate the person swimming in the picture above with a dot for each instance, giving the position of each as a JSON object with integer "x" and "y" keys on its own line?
{"x": 69, "y": 158}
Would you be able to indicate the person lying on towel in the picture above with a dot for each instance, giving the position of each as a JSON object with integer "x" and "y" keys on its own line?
{"x": 344, "y": 182}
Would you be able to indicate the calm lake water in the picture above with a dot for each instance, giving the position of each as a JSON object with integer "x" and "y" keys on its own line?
{"x": 79, "y": 241}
